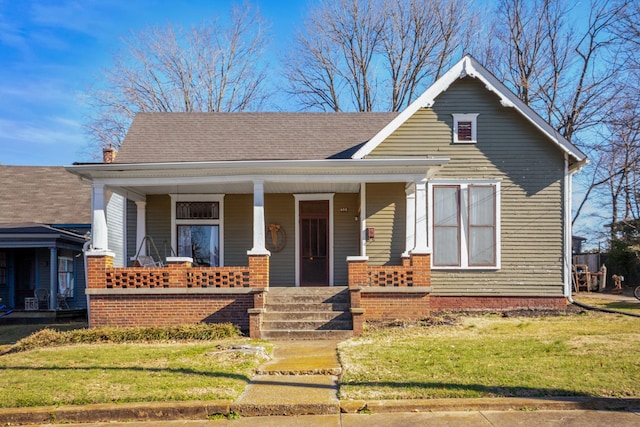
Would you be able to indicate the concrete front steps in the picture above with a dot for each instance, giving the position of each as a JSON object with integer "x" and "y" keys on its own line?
{"x": 307, "y": 313}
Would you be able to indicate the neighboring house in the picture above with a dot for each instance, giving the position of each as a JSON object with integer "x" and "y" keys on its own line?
{"x": 44, "y": 216}
{"x": 460, "y": 202}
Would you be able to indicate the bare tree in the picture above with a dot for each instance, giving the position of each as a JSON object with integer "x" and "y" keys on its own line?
{"x": 374, "y": 55}
{"x": 212, "y": 67}
{"x": 564, "y": 71}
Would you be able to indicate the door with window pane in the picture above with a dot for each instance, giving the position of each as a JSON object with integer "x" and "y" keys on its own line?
{"x": 314, "y": 243}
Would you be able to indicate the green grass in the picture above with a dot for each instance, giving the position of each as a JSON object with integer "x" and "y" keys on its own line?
{"x": 592, "y": 354}
{"x": 108, "y": 365}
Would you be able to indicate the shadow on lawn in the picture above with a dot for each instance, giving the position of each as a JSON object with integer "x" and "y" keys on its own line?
{"x": 457, "y": 390}
{"x": 181, "y": 371}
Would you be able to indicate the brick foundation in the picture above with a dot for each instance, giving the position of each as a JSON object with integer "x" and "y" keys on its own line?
{"x": 479, "y": 303}
{"x": 165, "y": 310}
{"x": 395, "y": 306}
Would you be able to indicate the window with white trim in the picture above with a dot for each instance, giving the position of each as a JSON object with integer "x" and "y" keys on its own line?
{"x": 66, "y": 277}
{"x": 465, "y": 223}
{"x": 198, "y": 229}
{"x": 465, "y": 128}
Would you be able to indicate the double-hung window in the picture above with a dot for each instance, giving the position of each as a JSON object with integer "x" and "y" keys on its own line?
{"x": 465, "y": 224}
{"x": 198, "y": 229}
{"x": 66, "y": 282}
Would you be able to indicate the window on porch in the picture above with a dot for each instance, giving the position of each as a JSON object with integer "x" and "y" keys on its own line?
{"x": 198, "y": 232}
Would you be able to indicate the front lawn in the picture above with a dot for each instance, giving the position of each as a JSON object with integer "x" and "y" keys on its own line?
{"x": 589, "y": 354}
{"x": 88, "y": 366}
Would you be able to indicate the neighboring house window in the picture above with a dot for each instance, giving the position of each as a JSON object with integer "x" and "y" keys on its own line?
{"x": 465, "y": 128}
{"x": 465, "y": 224}
{"x": 65, "y": 276}
{"x": 3, "y": 268}
{"x": 198, "y": 231}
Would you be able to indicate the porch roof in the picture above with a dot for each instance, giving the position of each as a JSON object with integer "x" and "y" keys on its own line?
{"x": 33, "y": 235}
{"x": 279, "y": 176}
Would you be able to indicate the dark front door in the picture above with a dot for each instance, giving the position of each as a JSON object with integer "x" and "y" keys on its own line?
{"x": 25, "y": 274}
{"x": 314, "y": 243}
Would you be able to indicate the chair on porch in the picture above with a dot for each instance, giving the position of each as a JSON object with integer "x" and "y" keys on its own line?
{"x": 62, "y": 299}
{"x": 42, "y": 295}
{"x": 148, "y": 261}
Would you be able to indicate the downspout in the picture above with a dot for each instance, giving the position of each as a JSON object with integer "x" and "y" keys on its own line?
{"x": 567, "y": 230}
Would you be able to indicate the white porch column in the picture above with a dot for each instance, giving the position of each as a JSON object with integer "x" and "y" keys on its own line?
{"x": 141, "y": 225}
{"x": 99, "y": 235}
{"x": 53, "y": 278}
{"x": 421, "y": 246}
{"x": 363, "y": 219}
{"x": 259, "y": 227}
{"x": 410, "y": 191}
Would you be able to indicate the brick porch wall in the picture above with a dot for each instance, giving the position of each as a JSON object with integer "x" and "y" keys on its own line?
{"x": 394, "y": 306}
{"x": 167, "y": 310}
{"x": 176, "y": 294}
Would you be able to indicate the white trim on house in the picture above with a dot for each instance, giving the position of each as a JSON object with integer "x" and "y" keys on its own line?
{"x": 197, "y": 198}
{"x": 464, "y": 253}
{"x": 363, "y": 219}
{"x": 468, "y": 66}
{"x": 312, "y": 197}
{"x": 410, "y": 218}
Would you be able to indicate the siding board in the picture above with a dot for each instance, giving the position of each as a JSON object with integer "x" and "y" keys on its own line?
{"x": 280, "y": 209}
{"x": 386, "y": 207}
{"x": 159, "y": 223}
{"x": 346, "y": 234}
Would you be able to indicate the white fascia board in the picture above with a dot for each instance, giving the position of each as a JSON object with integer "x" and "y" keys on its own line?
{"x": 468, "y": 66}
{"x": 282, "y": 170}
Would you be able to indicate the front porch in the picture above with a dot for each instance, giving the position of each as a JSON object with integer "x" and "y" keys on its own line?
{"x": 233, "y": 231}
{"x": 181, "y": 293}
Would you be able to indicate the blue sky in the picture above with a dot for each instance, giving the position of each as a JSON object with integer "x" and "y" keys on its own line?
{"x": 51, "y": 51}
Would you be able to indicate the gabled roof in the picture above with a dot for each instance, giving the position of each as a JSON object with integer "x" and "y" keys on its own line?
{"x": 468, "y": 66}
{"x": 210, "y": 137}
{"x": 44, "y": 195}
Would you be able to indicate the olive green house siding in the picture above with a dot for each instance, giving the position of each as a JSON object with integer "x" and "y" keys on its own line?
{"x": 531, "y": 172}
{"x": 158, "y": 221}
{"x": 386, "y": 215}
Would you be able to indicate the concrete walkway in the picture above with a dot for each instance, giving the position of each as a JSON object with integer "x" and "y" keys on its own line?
{"x": 301, "y": 379}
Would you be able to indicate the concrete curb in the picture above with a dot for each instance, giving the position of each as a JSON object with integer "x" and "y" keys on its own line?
{"x": 153, "y": 411}
{"x": 491, "y": 404}
{"x": 200, "y": 410}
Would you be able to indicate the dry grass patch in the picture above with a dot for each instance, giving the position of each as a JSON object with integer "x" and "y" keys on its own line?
{"x": 591, "y": 354}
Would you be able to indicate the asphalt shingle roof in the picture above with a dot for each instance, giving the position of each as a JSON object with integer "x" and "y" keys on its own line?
{"x": 198, "y": 137}
{"x": 43, "y": 194}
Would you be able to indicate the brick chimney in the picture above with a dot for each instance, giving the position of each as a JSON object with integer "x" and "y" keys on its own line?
{"x": 108, "y": 155}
